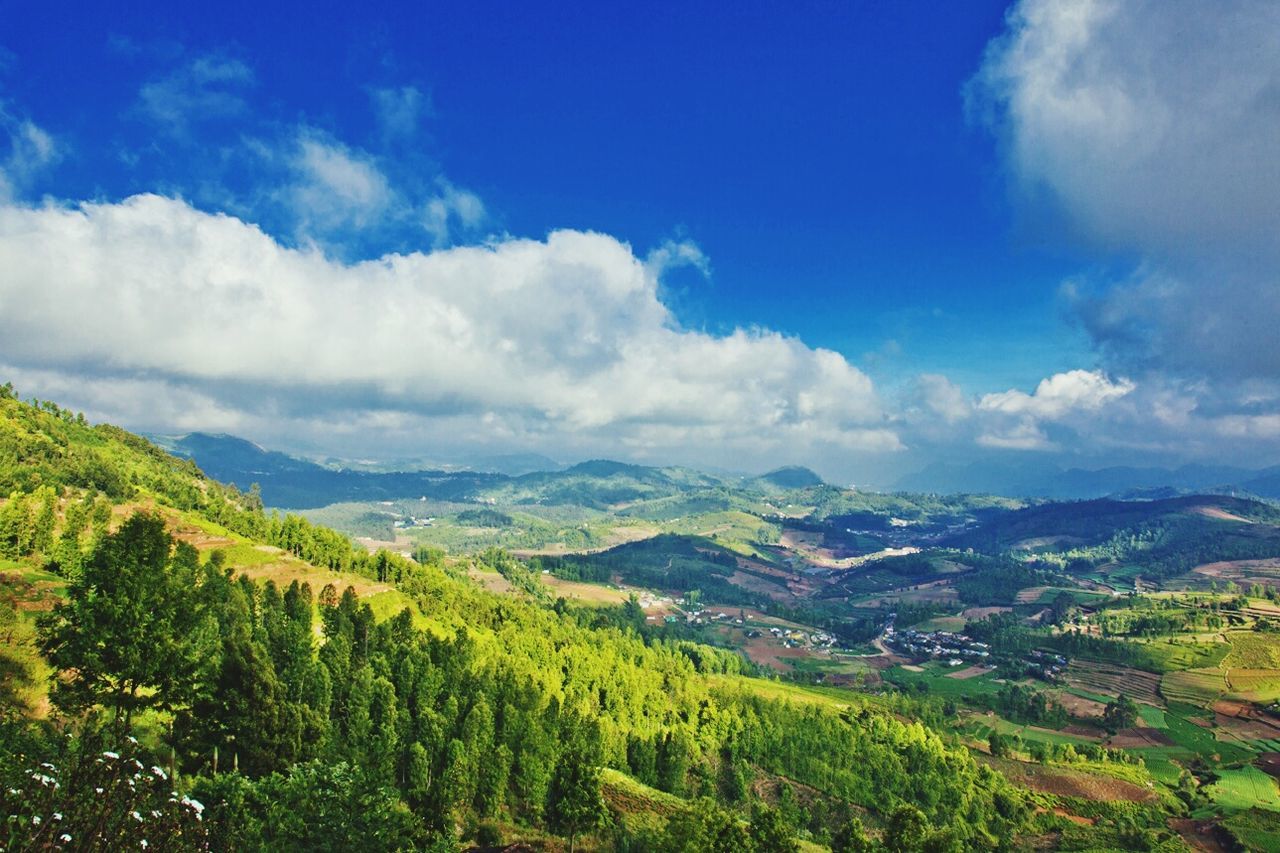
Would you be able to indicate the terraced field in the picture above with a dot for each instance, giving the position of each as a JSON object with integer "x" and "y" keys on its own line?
{"x": 1253, "y": 650}
{"x": 1245, "y": 788}
{"x": 1200, "y": 687}
{"x": 1256, "y": 685}
{"x": 1112, "y": 680}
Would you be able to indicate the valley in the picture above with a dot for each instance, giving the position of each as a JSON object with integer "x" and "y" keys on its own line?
{"x": 1115, "y": 663}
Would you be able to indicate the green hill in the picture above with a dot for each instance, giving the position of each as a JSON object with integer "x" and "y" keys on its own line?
{"x": 297, "y": 717}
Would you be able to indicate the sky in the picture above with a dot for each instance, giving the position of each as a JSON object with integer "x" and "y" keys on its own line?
{"x": 861, "y": 236}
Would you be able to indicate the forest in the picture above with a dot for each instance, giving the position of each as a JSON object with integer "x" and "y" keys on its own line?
{"x": 194, "y": 708}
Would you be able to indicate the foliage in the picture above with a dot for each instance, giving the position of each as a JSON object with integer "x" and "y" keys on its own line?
{"x": 129, "y": 635}
{"x": 97, "y": 800}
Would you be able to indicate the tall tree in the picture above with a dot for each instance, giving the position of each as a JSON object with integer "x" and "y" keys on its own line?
{"x": 131, "y": 634}
{"x": 574, "y": 802}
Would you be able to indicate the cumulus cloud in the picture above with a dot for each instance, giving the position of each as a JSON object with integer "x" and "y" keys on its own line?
{"x": 942, "y": 398}
{"x": 553, "y": 343}
{"x": 1075, "y": 390}
{"x": 1015, "y": 420}
{"x": 1151, "y": 127}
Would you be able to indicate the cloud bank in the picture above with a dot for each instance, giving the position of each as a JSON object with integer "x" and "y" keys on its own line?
{"x": 1152, "y": 127}
{"x": 548, "y": 343}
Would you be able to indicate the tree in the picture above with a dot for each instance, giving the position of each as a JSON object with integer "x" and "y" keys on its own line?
{"x": 131, "y": 635}
{"x": 906, "y": 830}
{"x": 851, "y": 838}
{"x": 574, "y": 802}
{"x": 1120, "y": 713}
{"x": 770, "y": 831}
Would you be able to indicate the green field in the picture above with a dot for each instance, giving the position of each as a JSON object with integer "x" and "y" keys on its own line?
{"x": 1255, "y": 829}
{"x": 1245, "y": 788}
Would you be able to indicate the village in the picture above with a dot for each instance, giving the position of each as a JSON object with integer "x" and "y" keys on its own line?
{"x": 958, "y": 649}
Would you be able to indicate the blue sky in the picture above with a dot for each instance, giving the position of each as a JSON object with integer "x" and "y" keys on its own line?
{"x": 934, "y": 192}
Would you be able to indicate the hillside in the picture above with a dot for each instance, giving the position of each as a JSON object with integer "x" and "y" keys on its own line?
{"x": 497, "y": 685}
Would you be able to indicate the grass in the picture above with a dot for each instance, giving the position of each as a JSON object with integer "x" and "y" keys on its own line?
{"x": 1153, "y": 717}
{"x": 1255, "y": 685}
{"x": 1198, "y": 739}
{"x": 1194, "y": 686}
{"x": 982, "y": 727}
{"x": 937, "y": 682}
{"x": 1245, "y": 788}
{"x": 1255, "y": 829}
{"x": 1251, "y": 650}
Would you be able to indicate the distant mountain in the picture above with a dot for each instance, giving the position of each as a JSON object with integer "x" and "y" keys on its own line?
{"x": 1095, "y": 521}
{"x": 1050, "y": 481}
{"x": 514, "y": 464}
{"x": 790, "y": 477}
{"x": 292, "y": 483}
{"x": 288, "y": 482}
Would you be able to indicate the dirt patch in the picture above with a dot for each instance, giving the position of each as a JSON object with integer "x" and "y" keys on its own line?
{"x": 1200, "y": 835}
{"x": 1220, "y": 514}
{"x": 760, "y": 585}
{"x": 1030, "y": 594}
{"x": 26, "y": 594}
{"x": 1269, "y": 762}
{"x": 1112, "y": 680}
{"x": 1062, "y": 782}
{"x": 911, "y": 667}
{"x": 286, "y": 572}
{"x": 970, "y": 672}
{"x": 1078, "y": 706}
{"x": 1074, "y": 818}
{"x": 768, "y": 653}
{"x": 1139, "y": 738}
{"x": 983, "y": 612}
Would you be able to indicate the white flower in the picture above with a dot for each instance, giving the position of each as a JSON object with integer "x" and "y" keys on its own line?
{"x": 110, "y": 754}
{"x": 136, "y": 816}
{"x": 133, "y": 740}
{"x": 143, "y": 844}
{"x": 35, "y": 820}
{"x": 64, "y": 838}
{"x": 57, "y": 815}
{"x": 97, "y": 790}
{"x": 158, "y": 772}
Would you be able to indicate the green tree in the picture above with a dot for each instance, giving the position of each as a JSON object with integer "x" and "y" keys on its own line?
{"x": 851, "y": 837}
{"x": 1120, "y": 713}
{"x": 770, "y": 831}
{"x": 574, "y": 801}
{"x": 906, "y": 830}
{"x": 131, "y": 634}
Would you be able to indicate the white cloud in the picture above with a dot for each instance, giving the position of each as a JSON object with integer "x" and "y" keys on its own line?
{"x": 400, "y": 110}
{"x": 208, "y": 87}
{"x": 336, "y": 188}
{"x": 1154, "y": 122}
{"x": 31, "y": 150}
{"x": 557, "y": 343}
{"x": 450, "y": 210}
{"x": 1058, "y": 395}
{"x": 1152, "y": 125}
{"x": 1015, "y": 420}
{"x": 942, "y": 398}
{"x": 1024, "y": 434}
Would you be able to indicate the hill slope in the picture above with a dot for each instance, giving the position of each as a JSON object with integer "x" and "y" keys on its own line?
{"x": 504, "y": 712}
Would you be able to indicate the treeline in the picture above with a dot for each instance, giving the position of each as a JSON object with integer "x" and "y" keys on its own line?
{"x": 667, "y": 562}
{"x": 511, "y": 715}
